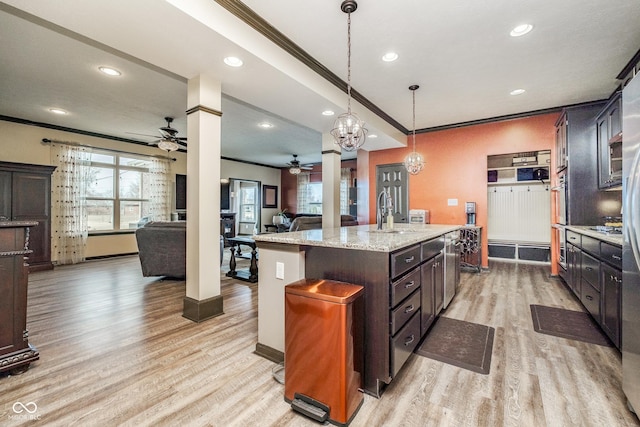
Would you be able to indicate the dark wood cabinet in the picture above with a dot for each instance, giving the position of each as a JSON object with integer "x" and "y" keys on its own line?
{"x": 26, "y": 196}
{"x": 594, "y": 274}
{"x": 15, "y": 352}
{"x": 403, "y": 290}
{"x": 609, "y": 134}
{"x": 586, "y": 204}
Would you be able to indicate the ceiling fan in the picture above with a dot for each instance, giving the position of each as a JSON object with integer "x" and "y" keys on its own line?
{"x": 295, "y": 167}
{"x": 169, "y": 141}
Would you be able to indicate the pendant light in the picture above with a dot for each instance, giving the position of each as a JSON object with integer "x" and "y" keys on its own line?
{"x": 348, "y": 130}
{"x": 414, "y": 162}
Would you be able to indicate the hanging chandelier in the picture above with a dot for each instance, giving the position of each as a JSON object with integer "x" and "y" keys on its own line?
{"x": 414, "y": 162}
{"x": 348, "y": 130}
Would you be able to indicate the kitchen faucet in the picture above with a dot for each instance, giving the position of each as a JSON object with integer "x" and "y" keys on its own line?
{"x": 387, "y": 204}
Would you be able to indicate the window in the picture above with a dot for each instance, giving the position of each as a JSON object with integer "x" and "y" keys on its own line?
{"x": 117, "y": 193}
{"x": 310, "y": 194}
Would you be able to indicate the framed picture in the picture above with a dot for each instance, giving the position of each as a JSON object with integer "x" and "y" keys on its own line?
{"x": 269, "y": 196}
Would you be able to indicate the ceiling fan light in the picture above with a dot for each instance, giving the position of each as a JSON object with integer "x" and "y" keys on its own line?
{"x": 294, "y": 170}
{"x": 167, "y": 145}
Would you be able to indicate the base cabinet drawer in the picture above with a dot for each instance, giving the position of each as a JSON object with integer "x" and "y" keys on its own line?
{"x": 404, "y": 311}
{"x": 611, "y": 254}
{"x": 404, "y": 342}
{"x": 591, "y": 270}
{"x": 404, "y": 260}
{"x": 590, "y": 298}
{"x": 403, "y": 287}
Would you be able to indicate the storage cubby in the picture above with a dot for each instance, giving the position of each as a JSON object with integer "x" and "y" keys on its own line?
{"x": 519, "y": 168}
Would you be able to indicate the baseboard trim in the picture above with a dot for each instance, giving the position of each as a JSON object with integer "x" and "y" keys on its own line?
{"x": 201, "y": 310}
{"x": 269, "y": 353}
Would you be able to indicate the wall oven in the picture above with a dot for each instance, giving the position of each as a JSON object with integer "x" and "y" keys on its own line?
{"x": 561, "y": 198}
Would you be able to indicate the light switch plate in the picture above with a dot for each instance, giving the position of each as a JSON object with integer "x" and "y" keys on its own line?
{"x": 280, "y": 270}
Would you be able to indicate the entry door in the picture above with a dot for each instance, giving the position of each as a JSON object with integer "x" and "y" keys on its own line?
{"x": 393, "y": 178}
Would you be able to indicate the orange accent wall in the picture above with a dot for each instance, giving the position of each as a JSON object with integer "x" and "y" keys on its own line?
{"x": 456, "y": 166}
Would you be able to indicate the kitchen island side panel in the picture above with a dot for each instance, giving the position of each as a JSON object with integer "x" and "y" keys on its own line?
{"x": 371, "y": 270}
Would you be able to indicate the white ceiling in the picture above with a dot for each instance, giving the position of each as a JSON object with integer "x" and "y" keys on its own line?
{"x": 459, "y": 52}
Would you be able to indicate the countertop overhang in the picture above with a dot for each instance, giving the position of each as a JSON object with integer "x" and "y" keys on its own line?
{"x": 361, "y": 237}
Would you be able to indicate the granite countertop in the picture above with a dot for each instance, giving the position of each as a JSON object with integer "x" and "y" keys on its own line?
{"x": 361, "y": 237}
{"x": 614, "y": 239}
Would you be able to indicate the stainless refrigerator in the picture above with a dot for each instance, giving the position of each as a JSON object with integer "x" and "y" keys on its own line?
{"x": 631, "y": 248}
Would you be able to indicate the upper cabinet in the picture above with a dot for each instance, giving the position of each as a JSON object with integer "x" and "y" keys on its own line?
{"x": 561, "y": 142}
{"x": 609, "y": 134}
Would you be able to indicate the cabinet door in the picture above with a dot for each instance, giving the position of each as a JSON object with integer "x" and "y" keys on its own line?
{"x": 615, "y": 117}
{"x": 611, "y": 313}
{"x": 5, "y": 194}
{"x": 438, "y": 283}
{"x": 427, "y": 304}
{"x": 573, "y": 269}
{"x": 604, "y": 170}
{"x": 31, "y": 201}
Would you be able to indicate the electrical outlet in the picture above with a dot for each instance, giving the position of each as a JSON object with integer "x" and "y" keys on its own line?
{"x": 280, "y": 270}
{"x": 452, "y": 202}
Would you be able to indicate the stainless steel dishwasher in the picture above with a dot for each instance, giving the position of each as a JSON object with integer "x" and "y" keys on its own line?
{"x": 451, "y": 266}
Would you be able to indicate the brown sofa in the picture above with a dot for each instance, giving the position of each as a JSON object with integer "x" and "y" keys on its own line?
{"x": 300, "y": 223}
{"x": 162, "y": 248}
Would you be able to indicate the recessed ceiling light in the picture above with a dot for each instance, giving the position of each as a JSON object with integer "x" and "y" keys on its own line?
{"x": 328, "y": 113}
{"x": 58, "y": 111}
{"x": 373, "y": 135}
{"x": 517, "y": 92}
{"x": 232, "y": 61}
{"x": 389, "y": 57}
{"x": 521, "y": 30}
{"x": 110, "y": 71}
{"x": 265, "y": 125}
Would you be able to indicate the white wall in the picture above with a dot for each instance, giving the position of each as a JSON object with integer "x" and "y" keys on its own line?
{"x": 23, "y": 144}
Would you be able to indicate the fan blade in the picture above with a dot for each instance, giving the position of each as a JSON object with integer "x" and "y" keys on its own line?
{"x": 178, "y": 141}
{"x": 142, "y": 134}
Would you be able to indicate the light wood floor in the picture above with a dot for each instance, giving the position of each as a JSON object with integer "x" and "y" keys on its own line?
{"x": 114, "y": 350}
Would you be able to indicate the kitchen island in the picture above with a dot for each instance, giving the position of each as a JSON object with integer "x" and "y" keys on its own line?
{"x": 401, "y": 270}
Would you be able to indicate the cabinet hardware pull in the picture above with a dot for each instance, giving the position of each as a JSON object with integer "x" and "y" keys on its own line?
{"x": 589, "y": 268}
{"x": 572, "y": 238}
{"x": 410, "y": 339}
{"x": 409, "y": 284}
{"x": 409, "y": 309}
{"x": 589, "y": 297}
{"x": 408, "y": 260}
{"x": 616, "y": 257}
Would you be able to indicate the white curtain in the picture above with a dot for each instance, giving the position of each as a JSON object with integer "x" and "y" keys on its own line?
{"x": 158, "y": 190}
{"x": 345, "y": 183}
{"x": 68, "y": 189}
{"x": 303, "y": 182}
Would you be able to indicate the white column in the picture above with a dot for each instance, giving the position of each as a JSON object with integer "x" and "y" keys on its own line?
{"x": 203, "y": 299}
{"x": 330, "y": 182}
